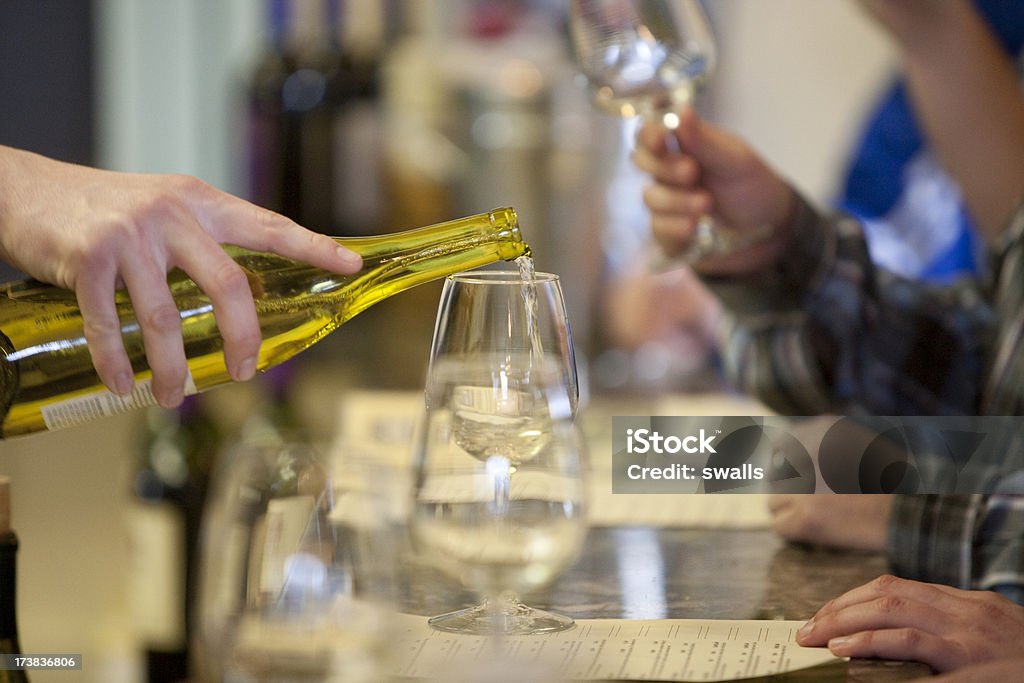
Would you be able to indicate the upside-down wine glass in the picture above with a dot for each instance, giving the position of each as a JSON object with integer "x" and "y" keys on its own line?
{"x": 499, "y": 495}
{"x": 648, "y": 58}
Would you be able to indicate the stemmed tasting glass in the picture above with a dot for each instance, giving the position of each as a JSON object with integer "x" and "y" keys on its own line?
{"x": 499, "y": 494}
{"x": 292, "y": 585}
{"x": 647, "y": 58}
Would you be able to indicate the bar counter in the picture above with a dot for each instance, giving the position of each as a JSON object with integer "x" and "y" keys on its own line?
{"x": 675, "y": 573}
{"x": 631, "y": 568}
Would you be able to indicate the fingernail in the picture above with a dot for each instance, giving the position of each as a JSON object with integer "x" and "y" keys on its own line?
{"x": 246, "y": 369}
{"x": 124, "y": 383}
{"x": 173, "y": 398}
{"x": 351, "y": 259}
{"x": 839, "y": 645}
{"x": 806, "y": 629}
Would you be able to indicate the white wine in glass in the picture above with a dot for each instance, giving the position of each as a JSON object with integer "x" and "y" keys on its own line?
{"x": 502, "y": 511}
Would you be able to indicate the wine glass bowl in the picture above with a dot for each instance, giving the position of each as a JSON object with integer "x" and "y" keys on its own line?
{"x": 292, "y": 585}
{"x": 643, "y": 58}
{"x": 507, "y": 318}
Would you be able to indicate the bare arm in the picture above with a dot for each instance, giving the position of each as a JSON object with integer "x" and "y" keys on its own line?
{"x": 967, "y": 97}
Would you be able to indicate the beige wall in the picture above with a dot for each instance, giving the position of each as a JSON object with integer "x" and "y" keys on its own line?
{"x": 795, "y": 77}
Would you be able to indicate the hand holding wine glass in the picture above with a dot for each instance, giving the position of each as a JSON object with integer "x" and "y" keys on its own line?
{"x": 649, "y": 58}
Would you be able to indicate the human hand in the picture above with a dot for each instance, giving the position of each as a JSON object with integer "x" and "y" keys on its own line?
{"x": 857, "y": 521}
{"x": 717, "y": 174}
{"x": 891, "y": 618}
{"x": 646, "y": 307}
{"x": 92, "y": 231}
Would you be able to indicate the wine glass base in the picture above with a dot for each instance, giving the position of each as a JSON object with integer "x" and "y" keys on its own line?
{"x": 514, "y": 619}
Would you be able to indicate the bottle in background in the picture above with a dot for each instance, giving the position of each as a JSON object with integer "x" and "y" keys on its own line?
{"x": 315, "y": 144}
{"x": 266, "y": 143}
{"x": 177, "y": 454}
{"x": 9, "y": 642}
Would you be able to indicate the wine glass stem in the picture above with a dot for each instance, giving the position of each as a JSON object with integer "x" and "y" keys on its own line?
{"x": 500, "y": 470}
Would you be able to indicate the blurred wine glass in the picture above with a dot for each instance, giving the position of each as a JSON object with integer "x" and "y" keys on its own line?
{"x": 649, "y": 58}
{"x": 295, "y": 567}
{"x": 643, "y": 57}
{"x": 499, "y": 495}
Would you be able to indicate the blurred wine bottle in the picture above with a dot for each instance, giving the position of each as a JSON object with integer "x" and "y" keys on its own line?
{"x": 314, "y": 123}
{"x": 177, "y": 454}
{"x": 9, "y": 642}
{"x": 180, "y": 449}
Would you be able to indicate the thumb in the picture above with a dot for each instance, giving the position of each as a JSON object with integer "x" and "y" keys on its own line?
{"x": 717, "y": 152}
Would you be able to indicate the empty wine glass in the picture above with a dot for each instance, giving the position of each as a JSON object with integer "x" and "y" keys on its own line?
{"x": 648, "y": 58}
{"x": 499, "y": 494}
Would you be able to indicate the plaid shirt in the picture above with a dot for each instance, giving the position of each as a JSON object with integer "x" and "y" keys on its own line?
{"x": 829, "y": 332}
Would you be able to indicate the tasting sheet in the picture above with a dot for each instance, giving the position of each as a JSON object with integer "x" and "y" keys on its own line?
{"x": 620, "y": 649}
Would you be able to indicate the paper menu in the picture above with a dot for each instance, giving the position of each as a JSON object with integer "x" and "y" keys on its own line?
{"x": 689, "y": 510}
{"x": 621, "y": 649}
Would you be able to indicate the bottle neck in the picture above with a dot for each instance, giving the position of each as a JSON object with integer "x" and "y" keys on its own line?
{"x": 398, "y": 261}
{"x": 498, "y": 229}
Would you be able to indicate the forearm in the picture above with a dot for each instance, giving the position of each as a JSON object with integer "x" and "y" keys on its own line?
{"x": 10, "y": 161}
{"x": 765, "y": 348}
{"x": 967, "y": 97}
{"x": 828, "y": 331}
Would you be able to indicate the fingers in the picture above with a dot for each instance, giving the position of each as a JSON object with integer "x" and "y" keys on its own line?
{"x": 232, "y": 220}
{"x": 889, "y": 611}
{"x": 227, "y": 286}
{"x": 888, "y": 585}
{"x": 673, "y": 233}
{"x": 160, "y": 324}
{"x": 674, "y": 215}
{"x": 910, "y": 644}
{"x": 891, "y": 618}
{"x": 670, "y": 169}
{"x": 179, "y": 221}
{"x": 103, "y": 330}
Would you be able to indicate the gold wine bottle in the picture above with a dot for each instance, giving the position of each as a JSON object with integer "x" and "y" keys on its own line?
{"x": 47, "y": 380}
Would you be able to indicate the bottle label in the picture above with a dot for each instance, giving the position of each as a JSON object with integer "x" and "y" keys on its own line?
{"x": 82, "y": 409}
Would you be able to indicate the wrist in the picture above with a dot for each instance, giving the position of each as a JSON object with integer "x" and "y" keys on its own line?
{"x": 788, "y": 265}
